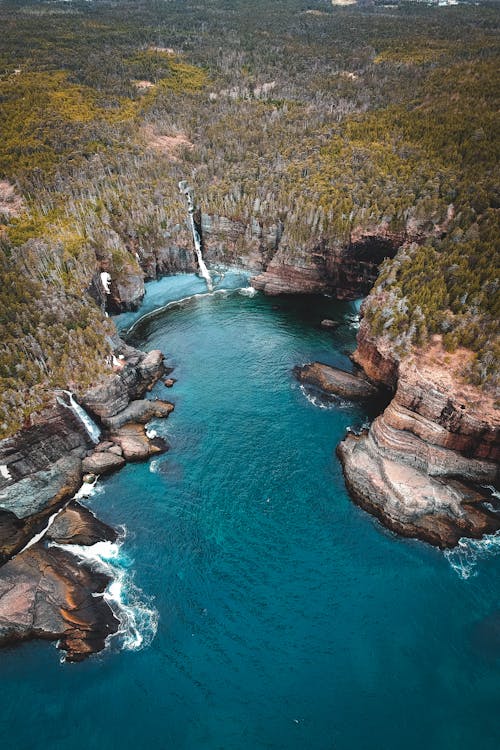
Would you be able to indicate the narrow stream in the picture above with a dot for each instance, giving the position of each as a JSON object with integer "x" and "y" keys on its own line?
{"x": 287, "y": 618}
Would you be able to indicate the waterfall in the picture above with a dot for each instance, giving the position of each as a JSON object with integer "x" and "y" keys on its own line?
{"x": 93, "y": 431}
{"x": 201, "y": 263}
{"x": 204, "y": 272}
{"x": 36, "y": 538}
{"x": 85, "y": 490}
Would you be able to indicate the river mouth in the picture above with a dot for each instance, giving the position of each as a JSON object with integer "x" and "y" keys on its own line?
{"x": 286, "y": 617}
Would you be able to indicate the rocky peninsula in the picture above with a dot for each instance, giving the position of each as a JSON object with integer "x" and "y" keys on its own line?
{"x": 422, "y": 466}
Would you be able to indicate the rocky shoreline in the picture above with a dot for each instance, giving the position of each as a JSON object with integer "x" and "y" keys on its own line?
{"x": 45, "y": 591}
{"x": 422, "y": 466}
{"x": 419, "y": 468}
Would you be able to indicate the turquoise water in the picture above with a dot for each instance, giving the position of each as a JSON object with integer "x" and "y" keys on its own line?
{"x": 287, "y": 617}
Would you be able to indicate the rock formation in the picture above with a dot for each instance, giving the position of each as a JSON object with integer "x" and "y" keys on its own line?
{"x": 45, "y": 592}
{"x": 423, "y": 463}
{"x": 335, "y": 382}
{"x": 347, "y": 270}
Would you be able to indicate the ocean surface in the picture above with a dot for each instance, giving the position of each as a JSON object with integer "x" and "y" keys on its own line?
{"x": 262, "y": 609}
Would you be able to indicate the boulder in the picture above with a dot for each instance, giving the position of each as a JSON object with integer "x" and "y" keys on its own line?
{"x": 78, "y": 525}
{"x": 102, "y": 462}
{"x": 335, "y": 382}
{"x": 139, "y": 411}
{"x": 50, "y": 594}
{"x": 108, "y": 398}
{"x": 135, "y": 444}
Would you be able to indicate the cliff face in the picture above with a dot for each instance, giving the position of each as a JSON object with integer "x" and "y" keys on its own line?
{"x": 45, "y": 592}
{"x": 421, "y": 466}
{"x": 347, "y": 271}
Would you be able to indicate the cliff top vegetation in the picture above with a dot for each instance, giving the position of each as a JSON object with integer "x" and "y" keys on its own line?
{"x": 356, "y": 117}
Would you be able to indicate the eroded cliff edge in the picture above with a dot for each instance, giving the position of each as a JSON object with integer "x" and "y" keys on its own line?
{"x": 45, "y": 590}
{"x": 422, "y": 466}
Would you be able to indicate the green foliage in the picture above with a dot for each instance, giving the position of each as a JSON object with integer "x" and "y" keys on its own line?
{"x": 353, "y": 119}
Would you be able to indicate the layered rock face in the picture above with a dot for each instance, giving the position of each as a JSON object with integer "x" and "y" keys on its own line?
{"x": 248, "y": 244}
{"x": 421, "y": 466}
{"x": 45, "y": 592}
{"x": 345, "y": 271}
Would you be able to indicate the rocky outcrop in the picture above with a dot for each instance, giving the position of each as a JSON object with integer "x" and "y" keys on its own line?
{"x": 102, "y": 462}
{"x": 53, "y": 433}
{"x": 26, "y": 505}
{"x": 335, "y": 382}
{"x": 78, "y": 525}
{"x": 376, "y": 357}
{"x": 126, "y": 288}
{"x": 48, "y": 593}
{"x": 135, "y": 374}
{"x": 139, "y": 411}
{"x": 345, "y": 270}
{"x": 421, "y": 466}
{"x": 135, "y": 443}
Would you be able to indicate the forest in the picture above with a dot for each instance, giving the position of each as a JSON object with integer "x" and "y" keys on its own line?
{"x": 326, "y": 118}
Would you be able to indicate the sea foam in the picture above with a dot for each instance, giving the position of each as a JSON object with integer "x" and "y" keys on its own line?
{"x": 247, "y": 291}
{"x": 138, "y": 618}
{"x": 465, "y": 556}
{"x": 322, "y": 402}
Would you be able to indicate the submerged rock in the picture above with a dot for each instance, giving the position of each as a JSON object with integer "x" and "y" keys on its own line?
{"x": 335, "y": 382}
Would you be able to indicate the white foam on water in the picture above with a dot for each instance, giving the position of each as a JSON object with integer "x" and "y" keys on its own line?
{"x": 493, "y": 490}
{"x": 138, "y": 618}
{"x": 322, "y": 403}
{"x": 153, "y": 466}
{"x": 353, "y": 321}
{"x": 190, "y": 298}
{"x": 86, "y": 490}
{"x": 465, "y": 556}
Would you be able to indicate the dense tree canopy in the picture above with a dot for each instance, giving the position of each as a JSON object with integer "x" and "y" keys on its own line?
{"x": 326, "y": 118}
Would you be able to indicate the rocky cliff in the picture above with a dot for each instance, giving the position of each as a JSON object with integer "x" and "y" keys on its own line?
{"x": 422, "y": 466}
{"x": 45, "y": 592}
{"x": 345, "y": 270}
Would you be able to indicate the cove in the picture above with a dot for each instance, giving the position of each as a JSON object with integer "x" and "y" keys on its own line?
{"x": 287, "y": 617}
